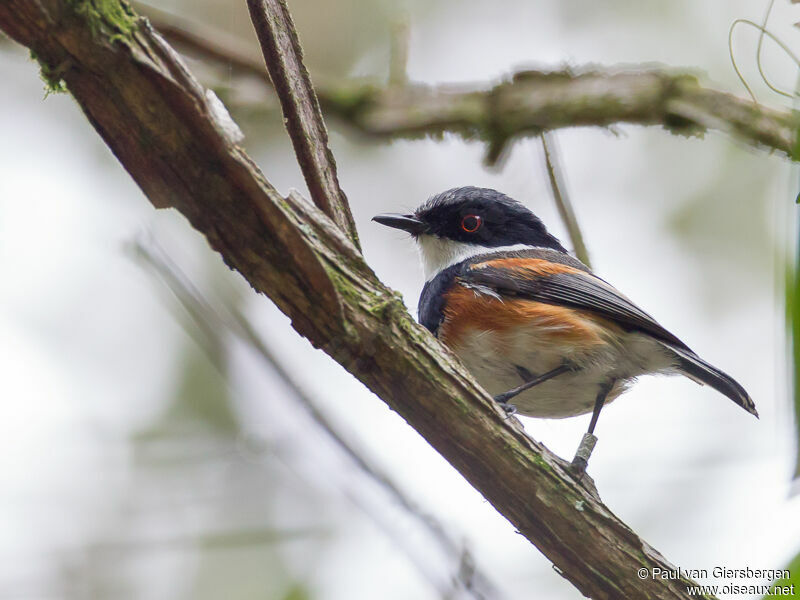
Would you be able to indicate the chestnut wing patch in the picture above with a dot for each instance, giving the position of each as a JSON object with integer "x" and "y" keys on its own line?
{"x": 562, "y": 285}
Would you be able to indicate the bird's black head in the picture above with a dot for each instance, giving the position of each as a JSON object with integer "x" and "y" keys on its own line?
{"x": 472, "y": 215}
{"x": 469, "y": 221}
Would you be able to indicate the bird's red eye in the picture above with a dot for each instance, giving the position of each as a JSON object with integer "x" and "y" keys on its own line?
{"x": 471, "y": 223}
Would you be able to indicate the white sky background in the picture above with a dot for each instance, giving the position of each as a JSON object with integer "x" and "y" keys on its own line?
{"x": 687, "y": 228}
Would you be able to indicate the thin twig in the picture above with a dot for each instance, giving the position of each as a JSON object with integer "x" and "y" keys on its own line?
{"x": 561, "y": 198}
{"x": 213, "y": 317}
{"x": 302, "y": 115}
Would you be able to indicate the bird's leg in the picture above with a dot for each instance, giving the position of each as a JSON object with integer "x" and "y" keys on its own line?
{"x": 502, "y": 399}
{"x": 581, "y": 460}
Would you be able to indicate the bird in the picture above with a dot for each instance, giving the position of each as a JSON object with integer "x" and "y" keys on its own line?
{"x": 531, "y": 322}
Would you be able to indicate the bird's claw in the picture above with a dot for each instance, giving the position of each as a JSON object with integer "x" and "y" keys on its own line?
{"x": 510, "y": 409}
{"x": 578, "y": 467}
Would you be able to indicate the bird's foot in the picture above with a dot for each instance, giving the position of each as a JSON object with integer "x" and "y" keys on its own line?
{"x": 503, "y": 401}
{"x": 578, "y": 467}
{"x": 510, "y": 409}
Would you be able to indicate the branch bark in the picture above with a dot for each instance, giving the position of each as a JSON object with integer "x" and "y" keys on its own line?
{"x": 175, "y": 143}
{"x": 301, "y": 112}
{"x": 527, "y": 103}
{"x": 561, "y": 197}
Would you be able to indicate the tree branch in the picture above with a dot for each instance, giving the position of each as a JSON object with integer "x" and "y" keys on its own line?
{"x": 534, "y": 101}
{"x": 175, "y": 143}
{"x": 561, "y": 197}
{"x": 301, "y": 112}
{"x": 213, "y": 316}
{"x": 528, "y": 103}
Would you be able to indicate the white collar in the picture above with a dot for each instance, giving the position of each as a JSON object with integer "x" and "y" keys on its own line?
{"x": 439, "y": 253}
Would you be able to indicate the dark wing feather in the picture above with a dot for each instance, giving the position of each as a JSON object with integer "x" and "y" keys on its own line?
{"x": 575, "y": 289}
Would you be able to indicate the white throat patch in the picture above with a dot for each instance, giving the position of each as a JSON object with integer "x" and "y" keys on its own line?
{"x": 438, "y": 253}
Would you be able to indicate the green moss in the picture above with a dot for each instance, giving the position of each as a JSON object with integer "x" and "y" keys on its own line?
{"x": 679, "y": 125}
{"x": 676, "y": 86}
{"x": 53, "y": 83}
{"x": 796, "y": 151}
{"x": 342, "y": 284}
{"x": 348, "y": 100}
{"x": 686, "y": 80}
{"x": 114, "y": 18}
{"x": 564, "y": 75}
{"x": 380, "y": 305}
{"x": 386, "y": 306}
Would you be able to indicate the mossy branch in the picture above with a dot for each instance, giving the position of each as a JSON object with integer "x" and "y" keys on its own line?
{"x": 525, "y": 104}
{"x": 176, "y": 143}
{"x": 531, "y": 102}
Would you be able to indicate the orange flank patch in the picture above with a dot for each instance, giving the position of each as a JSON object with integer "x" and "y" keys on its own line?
{"x": 529, "y": 266}
{"x": 467, "y": 311}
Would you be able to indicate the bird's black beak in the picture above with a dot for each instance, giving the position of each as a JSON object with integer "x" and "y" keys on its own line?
{"x": 408, "y": 223}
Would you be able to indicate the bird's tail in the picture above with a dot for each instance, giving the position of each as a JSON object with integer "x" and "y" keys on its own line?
{"x": 700, "y": 371}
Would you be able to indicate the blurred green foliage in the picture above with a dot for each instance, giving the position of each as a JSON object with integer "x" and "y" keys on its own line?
{"x": 794, "y": 570}
{"x": 793, "y": 325}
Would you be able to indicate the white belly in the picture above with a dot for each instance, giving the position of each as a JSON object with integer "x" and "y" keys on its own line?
{"x": 493, "y": 362}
